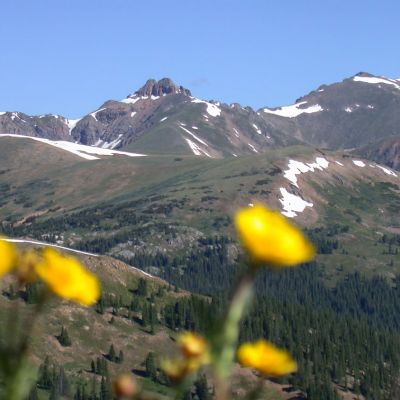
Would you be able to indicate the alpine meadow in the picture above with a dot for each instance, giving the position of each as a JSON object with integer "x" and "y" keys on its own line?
{"x": 165, "y": 245}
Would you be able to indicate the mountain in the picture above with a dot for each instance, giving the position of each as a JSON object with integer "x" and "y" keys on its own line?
{"x": 160, "y": 117}
{"x": 164, "y": 118}
{"x": 164, "y": 200}
{"x": 358, "y": 111}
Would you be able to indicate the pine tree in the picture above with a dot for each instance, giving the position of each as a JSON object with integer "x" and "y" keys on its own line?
{"x": 142, "y": 288}
{"x": 45, "y": 378}
{"x": 105, "y": 391}
{"x": 111, "y": 354}
{"x": 93, "y": 391}
{"x": 121, "y": 357}
{"x": 63, "y": 383}
{"x": 63, "y": 338}
{"x": 151, "y": 367}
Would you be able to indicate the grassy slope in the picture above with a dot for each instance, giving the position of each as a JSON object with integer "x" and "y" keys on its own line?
{"x": 92, "y": 334}
{"x": 202, "y": 195}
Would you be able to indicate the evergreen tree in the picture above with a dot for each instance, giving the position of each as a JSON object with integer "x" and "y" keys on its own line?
{"x": 142, "y": 289}
{"x": 63, "y": 337}
{"x": 111, "y": 355}
{"x": 151, "y": 366}
{"x": 45, "y": 380}
{"x": 105, "y": 390}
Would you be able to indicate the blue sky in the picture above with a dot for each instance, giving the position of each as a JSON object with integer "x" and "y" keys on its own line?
{"x": 69, "y": 56}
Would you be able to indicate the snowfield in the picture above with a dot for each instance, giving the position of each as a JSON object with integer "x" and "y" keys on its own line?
{"x": 212, "y": 109}
{"x": 294, "y": 110}
{"x": 293, "y": 204}
{"x": 375, "y": 80}
{"x": 79, "y": 150}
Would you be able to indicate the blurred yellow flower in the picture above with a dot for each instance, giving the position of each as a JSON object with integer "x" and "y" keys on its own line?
{"x": 269, "y": 237}
{"x": 192, "y": 345}
{"x": 8, "y": 257}
{"x": 179, "y": 369}
{"x": 266, "y": 358}
{"x": 126, "y": 386}
{"x": 67, "y": 278}
{"x": 26, "y": 264}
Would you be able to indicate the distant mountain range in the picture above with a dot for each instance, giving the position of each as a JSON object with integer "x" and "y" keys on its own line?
{"x": 361, "y": 114}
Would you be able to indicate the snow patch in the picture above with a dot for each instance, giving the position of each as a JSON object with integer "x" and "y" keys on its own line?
{"x": 387, "y": 170}
{"x": 75, "y": 148}
{"x": 163, "y": 119}
{"x": 195, "y": 128}
{"x": 196, "y": 149}
{"x": 133, "y": 113}
{"x": 258, "y": 130}
{"x": 93, "y": 114}
{"x": 109, "y": 145}
{"x": 236, "y": 132}
{"x": 71, "y": 123}
{"x": 292, "y": 204}
{"x": 298, "y": 167}
{"x": 253, "y": 148}
{"x": 359, "y": 163}
{"x": 348, "y": 109}
{"x": 3, "y": 112}
{"x": 339, "y": 163}
{"x": 130, "y": 100}
{"x": 194, "y": 136}
{"x": 294, "y": 110}
{"x": 375, "y": 80}
{"x": 212, "y": 109}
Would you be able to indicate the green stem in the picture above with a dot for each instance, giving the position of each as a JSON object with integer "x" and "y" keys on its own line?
{"x": 226, "y": 348}
{"x": 18, "y": 373}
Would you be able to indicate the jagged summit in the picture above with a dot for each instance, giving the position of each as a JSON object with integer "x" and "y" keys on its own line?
{"x": 162, "y": 87}
{"x": 364, "y": 74}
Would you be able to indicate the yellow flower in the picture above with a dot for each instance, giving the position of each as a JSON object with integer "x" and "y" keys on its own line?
{"x": 67, "y": 278}
{"x": 125, "y": 386}
{"x": 179, "y": 369}
{"x": 8, "y": 257}
{"x": 266, "y": 358}
{"x": 192, "y": 345}
{"x": 27, "y": 262}
{"x": 269, "y": 237}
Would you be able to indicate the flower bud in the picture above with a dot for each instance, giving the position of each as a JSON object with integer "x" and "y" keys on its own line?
{"x": 125, "y": 386}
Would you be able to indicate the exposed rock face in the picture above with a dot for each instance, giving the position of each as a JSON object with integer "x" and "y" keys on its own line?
{"x": 49, "y": 126}
{"x": 358, "y": 113}
{"x": 386, "y": 151}
{"x": 162, "y": 87}
{"x": 349, "y": 114}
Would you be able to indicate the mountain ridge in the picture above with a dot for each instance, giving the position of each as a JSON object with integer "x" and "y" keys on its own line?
{"x": 164, "y": 118}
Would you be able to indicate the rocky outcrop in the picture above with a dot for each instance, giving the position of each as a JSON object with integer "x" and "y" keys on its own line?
{"x": 162, "y": 87}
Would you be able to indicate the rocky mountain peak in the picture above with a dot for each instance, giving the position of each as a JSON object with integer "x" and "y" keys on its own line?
{"x": 162, "y": 87}
{"x": 364, "y": 74}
